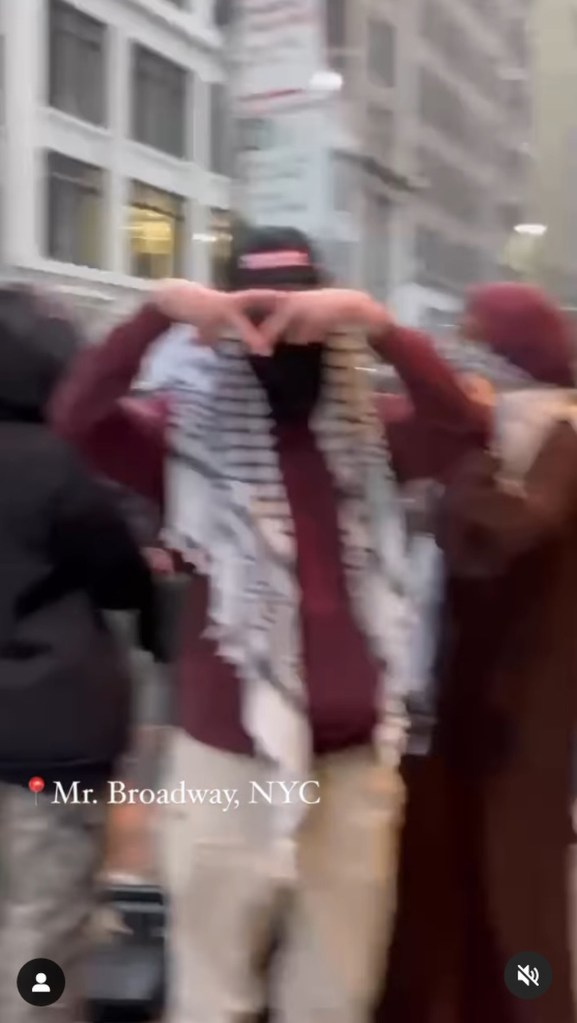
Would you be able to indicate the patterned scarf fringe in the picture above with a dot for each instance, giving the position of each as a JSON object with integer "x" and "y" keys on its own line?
{"x": 229, "y": 516}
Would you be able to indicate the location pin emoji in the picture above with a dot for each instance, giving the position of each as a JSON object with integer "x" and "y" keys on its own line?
{"x": 36, "y": 785}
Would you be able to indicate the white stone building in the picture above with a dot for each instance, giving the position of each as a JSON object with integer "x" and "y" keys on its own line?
{"x": 439, "y": 95}
{"x": 113, "y": 147}
{"x": 114, "y": 144}
{"x": 552, "y": 258}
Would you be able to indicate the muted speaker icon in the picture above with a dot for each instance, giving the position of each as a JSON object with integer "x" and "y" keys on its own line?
{"x": 528, "y": 976}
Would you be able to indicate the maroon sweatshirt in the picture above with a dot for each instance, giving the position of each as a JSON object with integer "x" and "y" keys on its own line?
{"x": 125, "y": 438}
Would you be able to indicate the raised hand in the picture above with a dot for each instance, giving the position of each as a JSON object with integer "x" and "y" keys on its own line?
{"x": 214, "y": 313}
{"x": 301, "y": 317}
{"x": 159, "y": 561}
{"x": 304, "y": 317}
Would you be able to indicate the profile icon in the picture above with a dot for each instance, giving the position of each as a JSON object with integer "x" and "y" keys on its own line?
{"x": 41, "y": 982}
{"x": 41, "y": 987}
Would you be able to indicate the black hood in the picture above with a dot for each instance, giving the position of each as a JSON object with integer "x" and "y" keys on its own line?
{"x": 37, "y": 343}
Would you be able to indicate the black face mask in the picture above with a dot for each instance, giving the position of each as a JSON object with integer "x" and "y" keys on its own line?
{"x": 292, "y": 378}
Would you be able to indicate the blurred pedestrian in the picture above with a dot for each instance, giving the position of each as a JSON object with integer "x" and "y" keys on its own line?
{"x": 66, "y": 556}
{"x": 282, "y": 497}
{"x": 484, "y": 866}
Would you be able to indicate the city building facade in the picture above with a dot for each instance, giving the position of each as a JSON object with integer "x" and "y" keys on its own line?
{"x": 552, "y": 254}
{"x": 113, "y": 145}
{"x": 116, "y": 144}
{"x": 441, "y": 90}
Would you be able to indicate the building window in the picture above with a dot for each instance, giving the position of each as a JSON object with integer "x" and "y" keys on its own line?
{"x": 220, "y": 130}
{"x": 461, "y": 51}
{"x": 156, "y": 232}
{"x": 446, "y": 263}
{"x": 450, "y": 188}
{"x": 442, "y": 108}
{"x": 336, "y": 34}
{"x": 221, "y": 13}
{"x": 465, "y": 265}
{"x": 518, "y": 102}
{"x": 77, "y": 63}
{"x": 2, "y": 79}
{"x": 220, "y": 239}
{"x": 380, "y": 126}
{"x": 382, "y": 57}
{"x": 336, "y": 24}
{"x": 339, "y": 260}
{"x": 343, "y": 182}
{"x": 159, "y": 90}
{"x": 75, "y": 211}
{"x": 519, "y": 43}
{"x": 377, "y": 246}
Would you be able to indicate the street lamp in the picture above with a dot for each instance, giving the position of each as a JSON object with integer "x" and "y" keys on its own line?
{"x": 326, "y": 82}
{"x": 524, "y": 250}
{"x": 531, "y": 230}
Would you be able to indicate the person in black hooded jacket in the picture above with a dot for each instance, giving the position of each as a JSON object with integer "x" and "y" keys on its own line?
{"x": 66, "y": 557}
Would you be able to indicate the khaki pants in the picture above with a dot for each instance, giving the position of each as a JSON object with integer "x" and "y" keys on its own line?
{"x": 49, "y": 861}
{"x": 225, "y": 902}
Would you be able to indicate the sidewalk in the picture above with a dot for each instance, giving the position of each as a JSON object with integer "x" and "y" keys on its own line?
{"x": 132, "y": 830}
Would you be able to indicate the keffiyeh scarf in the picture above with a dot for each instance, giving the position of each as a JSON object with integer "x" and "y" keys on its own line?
{"x": 229, "y": 516}
{"x": 470, "y": 357}
{"x": 525, "y": 409}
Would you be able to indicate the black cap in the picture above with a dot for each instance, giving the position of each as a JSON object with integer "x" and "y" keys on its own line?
{"x": 274, "y": 257}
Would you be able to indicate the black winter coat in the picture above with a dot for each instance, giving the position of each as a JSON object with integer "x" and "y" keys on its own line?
{"x": 66, "y": 557}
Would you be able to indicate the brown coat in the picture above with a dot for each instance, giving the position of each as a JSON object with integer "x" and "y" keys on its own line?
{"x": 484, "y": 859}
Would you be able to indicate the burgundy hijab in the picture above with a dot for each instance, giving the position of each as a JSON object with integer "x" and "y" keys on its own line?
{"x": 521, "y": 324}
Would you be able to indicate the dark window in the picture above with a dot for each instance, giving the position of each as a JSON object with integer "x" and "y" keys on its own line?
{"x": 380, "y": 133}
{"x": 255, "y": 134}
{"x": 519, "y": 41}
{"x": 159, "y": 90}
{"x": 336, "y": 25}
{"x": 442, "y": 261}
{"x": 339, "y": 255}
{"x": 75, "y": 209}
{"x": 337, "y": 43}
{"x": 343, "y": 182}
{"x": 382, "y": 57}
{"x": 156, "y": 232}
{"x": 376, "y": 246}
{"x": 442, "y": 108}
{"x": 465, "y": 264}
{"x": 2, "y": 80}
{"x": 518, "y": 101}
{"x": 223, "y": 12}
{"x": 220, "y": 235}
{"x": 220, "y": 130}
{"x": 450, "y": 188}
{"x": 77, "y": 63}
{"x": 443, "y": 30}
{"x": 426, "y": 250}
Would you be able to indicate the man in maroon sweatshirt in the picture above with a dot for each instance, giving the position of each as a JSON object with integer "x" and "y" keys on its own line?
{"x": 224, "y": 894}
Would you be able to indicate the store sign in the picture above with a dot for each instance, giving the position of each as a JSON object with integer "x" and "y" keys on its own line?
{"x": 279, "y": 44}
{"x": 283, "y": 158}
{"x": 282, "y": 170}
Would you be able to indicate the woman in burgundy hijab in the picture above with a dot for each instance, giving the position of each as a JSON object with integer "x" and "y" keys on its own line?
{"x": 484, "y": 864}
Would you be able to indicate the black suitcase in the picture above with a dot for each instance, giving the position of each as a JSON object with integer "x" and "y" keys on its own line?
{"x": 125, "y": 976}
